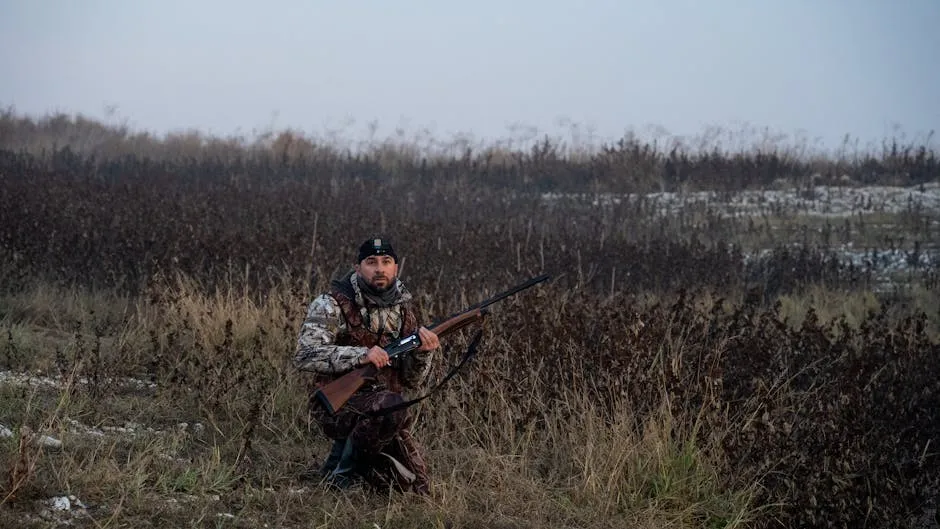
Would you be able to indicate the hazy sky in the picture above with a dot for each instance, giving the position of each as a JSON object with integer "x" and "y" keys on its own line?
{"x": 826, "y": 67}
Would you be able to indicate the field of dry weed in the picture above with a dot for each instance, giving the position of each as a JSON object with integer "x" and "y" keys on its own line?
{"x": 685, "y": 370}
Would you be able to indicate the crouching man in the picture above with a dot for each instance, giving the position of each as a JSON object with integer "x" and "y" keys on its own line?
{"x": 346, "y": 328}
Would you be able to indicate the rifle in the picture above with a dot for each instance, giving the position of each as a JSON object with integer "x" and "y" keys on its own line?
{"x": 334, "y": 395}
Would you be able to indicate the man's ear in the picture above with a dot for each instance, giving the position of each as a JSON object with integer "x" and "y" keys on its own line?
{"x": 357, "y": 267}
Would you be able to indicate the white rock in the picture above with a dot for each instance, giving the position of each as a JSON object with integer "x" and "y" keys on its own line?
{"x": 43, "y": 440}
{"x": 60, "y": 503}
{"x": 50, "y": 442}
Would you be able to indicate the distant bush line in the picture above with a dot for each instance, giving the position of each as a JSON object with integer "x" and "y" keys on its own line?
{"x": 630, "y": 164}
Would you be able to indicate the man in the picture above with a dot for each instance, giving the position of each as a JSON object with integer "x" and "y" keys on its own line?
{"x": 345, "y": 329}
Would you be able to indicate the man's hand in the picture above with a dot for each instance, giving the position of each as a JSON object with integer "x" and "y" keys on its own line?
{"x": 429, "y": 340}
{"x": 376, "y": 356}
{"x": 379, "y": 358}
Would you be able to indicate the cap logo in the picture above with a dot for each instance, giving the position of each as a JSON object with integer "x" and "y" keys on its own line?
{"x": 377, "y": 246}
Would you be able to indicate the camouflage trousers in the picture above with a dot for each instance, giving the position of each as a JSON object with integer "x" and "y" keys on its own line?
{"x": 372, "y": 436}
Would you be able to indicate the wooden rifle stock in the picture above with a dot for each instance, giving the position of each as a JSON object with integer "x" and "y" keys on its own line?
{"x": 334, "y": 395}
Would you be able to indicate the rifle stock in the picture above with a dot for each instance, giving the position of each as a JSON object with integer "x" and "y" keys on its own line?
{"x": 334, "y": 395}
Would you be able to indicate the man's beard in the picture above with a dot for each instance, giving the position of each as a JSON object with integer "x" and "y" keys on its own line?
{"x": 382, "y": 297}
{"x": 389, "y": 283}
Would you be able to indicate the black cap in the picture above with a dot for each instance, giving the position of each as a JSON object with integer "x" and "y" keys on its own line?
{"x": 377, "y": 246}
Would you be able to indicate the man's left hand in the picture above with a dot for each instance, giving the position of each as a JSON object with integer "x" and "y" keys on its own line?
{"x": 429, "y": 340}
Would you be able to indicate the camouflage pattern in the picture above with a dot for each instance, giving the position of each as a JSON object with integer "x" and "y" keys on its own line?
{"x": 333, "y": 339}
{"x": 371, "y": 436}
{"x": 316, "y": 351}
{"x": 338, "y": 329}
{"x": 408, "y": 452}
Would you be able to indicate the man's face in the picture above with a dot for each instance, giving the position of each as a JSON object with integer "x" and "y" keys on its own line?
{"x": 378, "y": 270}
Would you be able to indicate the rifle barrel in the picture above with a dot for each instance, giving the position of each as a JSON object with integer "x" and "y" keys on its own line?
{"x": 531, "y": 282}
{"x": 498, "y": 297}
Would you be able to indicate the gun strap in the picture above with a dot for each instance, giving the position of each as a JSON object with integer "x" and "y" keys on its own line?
{"x": 471, "y": 351}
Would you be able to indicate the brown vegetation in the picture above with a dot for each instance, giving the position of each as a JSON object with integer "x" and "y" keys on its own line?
{"x": 659, "y": 379}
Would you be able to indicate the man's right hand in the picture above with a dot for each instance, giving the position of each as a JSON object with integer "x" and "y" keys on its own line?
{"x": 376, "y": 356}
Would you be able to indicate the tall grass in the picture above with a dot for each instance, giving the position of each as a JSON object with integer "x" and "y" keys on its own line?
{"x": 662, "y": 378}
{"x": 135, "y": 451}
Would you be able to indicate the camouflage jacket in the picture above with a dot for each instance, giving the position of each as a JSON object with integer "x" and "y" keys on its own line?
{"x": 332, "y": 340}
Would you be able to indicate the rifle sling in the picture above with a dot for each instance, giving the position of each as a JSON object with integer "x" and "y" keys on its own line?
{"x": 471, "y": 351}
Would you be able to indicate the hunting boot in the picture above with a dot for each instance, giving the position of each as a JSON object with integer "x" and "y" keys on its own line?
{"x": 317, "y": 473}
{"x": 344, "y": 475}
{"x": 332, "y": 459}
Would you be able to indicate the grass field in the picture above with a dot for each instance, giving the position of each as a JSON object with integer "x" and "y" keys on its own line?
{"x": 683, "y": 368}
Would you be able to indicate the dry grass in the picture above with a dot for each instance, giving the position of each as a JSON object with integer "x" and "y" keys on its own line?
{"x": 659, "y": 380}
{"x": 128, "y": 457}
{"x": 159, "y": 454}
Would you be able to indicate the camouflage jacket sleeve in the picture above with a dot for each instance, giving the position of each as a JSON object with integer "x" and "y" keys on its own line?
{"x": 415, "y": 368}
{"x": 316, "y": 349}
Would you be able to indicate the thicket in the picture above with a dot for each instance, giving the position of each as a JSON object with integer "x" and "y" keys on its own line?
{"x": 718, "y": 159}
{"x": 205, "y": 205}
{"x": 837, "y": 424}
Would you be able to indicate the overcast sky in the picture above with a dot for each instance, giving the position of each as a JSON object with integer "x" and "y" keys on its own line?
{"x": 824, "y": 67}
